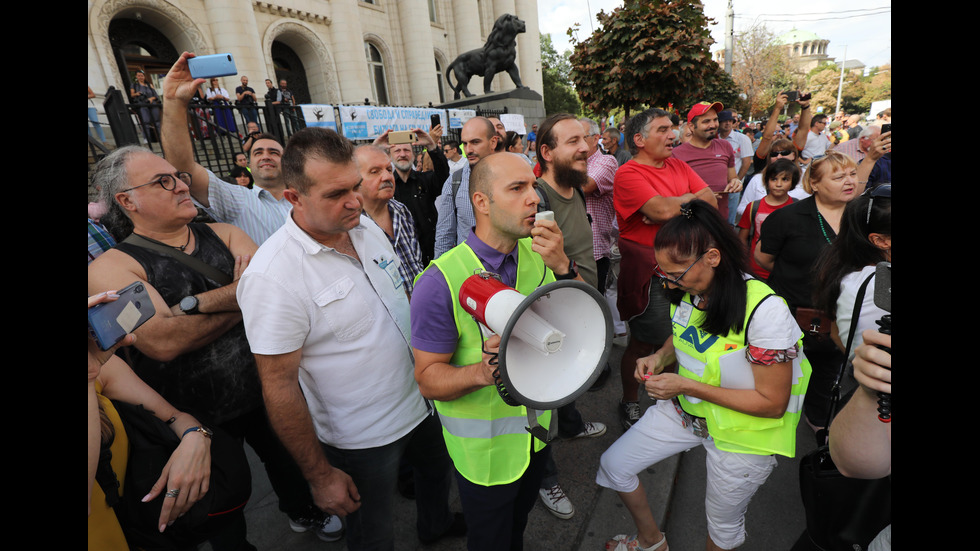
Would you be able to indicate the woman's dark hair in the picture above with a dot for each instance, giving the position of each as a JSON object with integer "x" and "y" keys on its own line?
{"x": 511, "y": 139}
{"x": 237, "y": 171}
{"x": 851, "y": 251}
{"x": 698, "y": 228}
{"x": 782, "y": 166}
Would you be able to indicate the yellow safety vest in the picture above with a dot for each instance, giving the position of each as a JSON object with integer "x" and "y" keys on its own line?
{"x": 708, "y": 358}
{"x": 487, "y": 439}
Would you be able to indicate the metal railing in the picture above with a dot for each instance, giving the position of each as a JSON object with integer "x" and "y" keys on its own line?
{"x": 216, "y": 130}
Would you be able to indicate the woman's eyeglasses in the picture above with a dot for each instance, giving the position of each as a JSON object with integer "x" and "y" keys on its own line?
{"x": 665, "y": 279}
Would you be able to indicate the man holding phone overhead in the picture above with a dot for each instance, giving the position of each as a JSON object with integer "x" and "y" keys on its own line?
{"x": 418, "y": 190}
{"x": 259, "y": 211}
{"x": 194, "y": 350}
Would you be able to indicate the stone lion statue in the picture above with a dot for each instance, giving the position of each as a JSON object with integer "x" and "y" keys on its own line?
{"x": 496, "y": 56}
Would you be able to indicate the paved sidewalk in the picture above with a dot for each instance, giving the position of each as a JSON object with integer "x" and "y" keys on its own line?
{"x": 774, "y": 520}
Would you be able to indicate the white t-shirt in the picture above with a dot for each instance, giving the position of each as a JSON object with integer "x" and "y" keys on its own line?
{"x": 870, "y": 313}
{"x": 351, "y": 320}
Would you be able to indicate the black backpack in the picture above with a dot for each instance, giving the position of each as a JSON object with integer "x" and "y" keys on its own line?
{"x": 151, "y": 442}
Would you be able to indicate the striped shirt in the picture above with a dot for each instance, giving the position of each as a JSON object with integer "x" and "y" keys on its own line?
{"x": 255, "y": 210}
{"x": 599, "y": 204}
{"x": 455, "y": 215}
{"x": 99, "y": 240}
{"x": 405, "y": 242}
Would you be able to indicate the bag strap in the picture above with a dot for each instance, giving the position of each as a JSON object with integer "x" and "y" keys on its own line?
{"x": 191, "y": 262}
{"x": 835, "y": 390}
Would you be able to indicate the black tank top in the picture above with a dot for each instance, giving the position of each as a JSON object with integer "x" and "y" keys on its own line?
{"x": 219, "y": 381}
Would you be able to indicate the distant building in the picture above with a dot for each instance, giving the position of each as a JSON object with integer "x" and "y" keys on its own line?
{"x": 806, "y": 50}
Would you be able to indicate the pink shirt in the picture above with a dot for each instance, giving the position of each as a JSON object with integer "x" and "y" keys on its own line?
{"x": 599, "y": 204}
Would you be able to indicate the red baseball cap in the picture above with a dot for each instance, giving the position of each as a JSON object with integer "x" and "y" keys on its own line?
{"x": 702, "y": 108}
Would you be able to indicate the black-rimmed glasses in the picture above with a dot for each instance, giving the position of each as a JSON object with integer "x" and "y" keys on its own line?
{"x": 166, "y": 181}
{"x": 665, "y": 279}
{"x": 884, "y": 190}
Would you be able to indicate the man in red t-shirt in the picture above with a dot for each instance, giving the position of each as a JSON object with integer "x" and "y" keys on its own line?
{"x": 647, "y": 191}
{"x": 713, "y": 159}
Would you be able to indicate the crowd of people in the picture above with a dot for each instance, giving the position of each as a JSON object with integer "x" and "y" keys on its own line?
{"x": 318, "y": 269}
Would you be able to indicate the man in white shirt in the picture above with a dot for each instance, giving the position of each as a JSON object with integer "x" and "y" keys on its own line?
{"x": 743, "y": 155}
{"x": 456, "y": 160}
{"x": 328, "y": 321}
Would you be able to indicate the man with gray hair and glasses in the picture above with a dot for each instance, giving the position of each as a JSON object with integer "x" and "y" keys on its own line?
{"x": 194, "y": 350}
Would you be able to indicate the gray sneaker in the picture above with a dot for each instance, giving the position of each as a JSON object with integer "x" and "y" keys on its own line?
{"x": 327, "y": 527}
{"x": 629, "y": 413}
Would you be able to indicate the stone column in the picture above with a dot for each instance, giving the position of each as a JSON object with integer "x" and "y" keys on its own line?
{"x": 347, "y": 40}
{"x": 466, "y": 22}
{"x": 417, "y": 51}
{"x": 234, "y": 30}
{"x": 529, "y": 46}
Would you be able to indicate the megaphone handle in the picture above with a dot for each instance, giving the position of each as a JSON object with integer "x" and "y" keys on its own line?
{"x": 885, "y": 400}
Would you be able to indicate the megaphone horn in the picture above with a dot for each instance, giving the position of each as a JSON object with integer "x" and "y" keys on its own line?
{"x": 553, "y": 342}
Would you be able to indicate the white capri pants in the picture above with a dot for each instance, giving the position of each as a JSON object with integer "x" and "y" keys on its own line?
{"x": 732, "y": 478}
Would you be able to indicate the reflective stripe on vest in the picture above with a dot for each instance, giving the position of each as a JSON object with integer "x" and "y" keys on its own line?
{"x": 709, "y": 359}
{"x": 487, "y": 439}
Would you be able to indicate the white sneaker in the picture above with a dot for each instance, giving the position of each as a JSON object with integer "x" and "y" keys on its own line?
{"x": 592, "y": 430}
{"x": 557, "y": 502}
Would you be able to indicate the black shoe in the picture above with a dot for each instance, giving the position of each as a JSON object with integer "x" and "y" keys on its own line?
{"x": 456, "y": 530}
{"x": 603, "y": 376}
{"x": 326, "y": 527}
{"x": 629, "y": 413}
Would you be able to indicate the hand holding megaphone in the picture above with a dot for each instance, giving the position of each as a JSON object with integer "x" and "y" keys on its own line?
{"x": 488, "y": 366}
{"x": 547, "y": 240}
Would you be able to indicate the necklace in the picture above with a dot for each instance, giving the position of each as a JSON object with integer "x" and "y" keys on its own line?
{"x": 822, "y": 230}
{"x": 178, "y": 247}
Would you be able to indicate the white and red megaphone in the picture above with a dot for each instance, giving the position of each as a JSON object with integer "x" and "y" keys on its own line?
{"x": 553, "y": 343}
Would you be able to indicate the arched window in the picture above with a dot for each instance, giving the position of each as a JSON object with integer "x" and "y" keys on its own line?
{"x": 376, "y": 73}
{"x": 439, "y": 82}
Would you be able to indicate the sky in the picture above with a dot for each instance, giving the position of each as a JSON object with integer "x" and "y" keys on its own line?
{"x": 865, "y": 31}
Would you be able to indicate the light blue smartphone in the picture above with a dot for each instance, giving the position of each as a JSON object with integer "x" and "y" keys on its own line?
{"x": 208, "y": 66}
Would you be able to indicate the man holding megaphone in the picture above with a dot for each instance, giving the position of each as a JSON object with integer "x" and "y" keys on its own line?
{"x": 499, "y": 465}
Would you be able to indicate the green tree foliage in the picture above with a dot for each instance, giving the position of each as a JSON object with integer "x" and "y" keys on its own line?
{"x": 857, "y": 93}
{"x": 761, "y": 68}
{"x": 559, "y": 96}
{"x": 644, "y": 53}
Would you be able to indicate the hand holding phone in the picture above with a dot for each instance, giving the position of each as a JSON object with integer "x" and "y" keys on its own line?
{"x": 402, "y": 136}
{"x": 111, "y": 320}
{"x": 208, "y": 66}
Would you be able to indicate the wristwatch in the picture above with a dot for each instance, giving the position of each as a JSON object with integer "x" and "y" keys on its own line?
{"x": 188, "y": 305}
{"x": 572, "y": 272}
{"x": 208, "y": 433}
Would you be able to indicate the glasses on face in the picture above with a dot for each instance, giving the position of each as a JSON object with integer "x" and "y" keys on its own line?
{"x": 884, "y": 190}
{"x": 166, "y": 181}
{"x": 785, "y": 153}
{"x": 665, "y": 279}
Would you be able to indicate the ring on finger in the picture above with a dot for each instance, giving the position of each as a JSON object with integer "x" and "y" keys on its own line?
{"x": 173, "y": 493}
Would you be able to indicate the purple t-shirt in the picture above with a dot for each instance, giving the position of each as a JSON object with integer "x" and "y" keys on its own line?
{"x": 433, "y": 325}
{"x": 711, "y": 163}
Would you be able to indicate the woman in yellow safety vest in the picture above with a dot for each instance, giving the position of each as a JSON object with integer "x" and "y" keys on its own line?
{"x": 737, "y": 388}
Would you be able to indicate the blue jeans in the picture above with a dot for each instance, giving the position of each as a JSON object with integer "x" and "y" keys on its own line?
{"x": 93, "y": 117}
{"x": 375, "y": 473}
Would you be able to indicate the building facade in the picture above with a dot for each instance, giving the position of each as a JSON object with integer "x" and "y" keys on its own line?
{"x": 385, "y": 52}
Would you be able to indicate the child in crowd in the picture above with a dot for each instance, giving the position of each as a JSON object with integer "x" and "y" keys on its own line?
{"x": 779, "y": 178}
